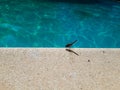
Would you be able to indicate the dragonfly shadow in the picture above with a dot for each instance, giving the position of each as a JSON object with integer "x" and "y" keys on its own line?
{"x": 69, "y": 50}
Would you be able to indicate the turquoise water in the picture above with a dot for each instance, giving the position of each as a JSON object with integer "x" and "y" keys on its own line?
{"x": 31, "y": 23}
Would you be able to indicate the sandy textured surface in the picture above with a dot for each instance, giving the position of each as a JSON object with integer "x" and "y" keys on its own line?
{"x": 58, "y": 69}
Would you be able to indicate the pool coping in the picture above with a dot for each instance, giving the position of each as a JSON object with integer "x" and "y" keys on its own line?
{"x": 58, "y": 69}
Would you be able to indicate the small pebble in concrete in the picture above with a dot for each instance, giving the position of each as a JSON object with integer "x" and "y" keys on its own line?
{"x": 88, "y": 60}
{"x": 103, "y": 51}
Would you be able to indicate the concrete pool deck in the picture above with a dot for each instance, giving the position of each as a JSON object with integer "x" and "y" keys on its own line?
{"x": 58, "y": 69}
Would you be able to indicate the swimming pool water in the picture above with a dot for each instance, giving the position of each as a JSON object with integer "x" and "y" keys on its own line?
{"x": 31, "y": 23}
